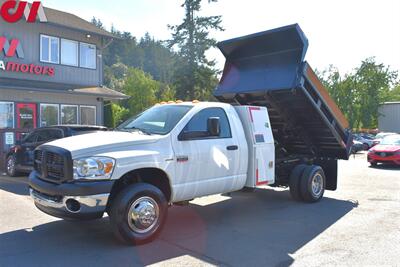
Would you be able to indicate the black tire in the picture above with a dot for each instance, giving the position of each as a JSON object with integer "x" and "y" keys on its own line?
{"x": 119, "y": 212}
{"x": 248, "y": 190}
{"x": 374, "y": 164}
{"x": 310, "y": 174}
{"x": 11, "y": 168}
{"x": 365, "y": 147}
{"x": 294, "y": 182}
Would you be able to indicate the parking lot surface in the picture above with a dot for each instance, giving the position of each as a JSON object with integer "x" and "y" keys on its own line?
{"x": 357, "y": 225}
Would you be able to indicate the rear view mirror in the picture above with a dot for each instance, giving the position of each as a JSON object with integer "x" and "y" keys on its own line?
{"x": 213, "y": 127}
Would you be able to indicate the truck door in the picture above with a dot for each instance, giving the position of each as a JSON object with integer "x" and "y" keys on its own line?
{"x": 28, "y": 145}
{"x": 206, "y": 165}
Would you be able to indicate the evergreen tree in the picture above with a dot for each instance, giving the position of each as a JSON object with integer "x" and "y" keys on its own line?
{"x": 97, "y": 22}
{"x": 192, "y": 38}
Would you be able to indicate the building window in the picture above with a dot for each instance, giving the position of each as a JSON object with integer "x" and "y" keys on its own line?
{"x": 69, "y": 114}
{"x": 49, "y": 49}
{"x": 6, "y": 115}
{"x": 87, "y": 56}
{"x": 88, "y": 115}
{"x": 49, "y": 115}
{"x": 69, "y": 52}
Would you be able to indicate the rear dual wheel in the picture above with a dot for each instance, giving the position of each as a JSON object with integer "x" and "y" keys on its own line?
{"x": 307, "y": 183}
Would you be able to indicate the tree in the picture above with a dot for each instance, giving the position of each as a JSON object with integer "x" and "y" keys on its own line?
{"x": 342, "y": 90}
{"x": 97, "y": 22}
{"x": 166, "y": 93}
{"x": 394, "y": 94}
{"x": 141, "y": 88}
{"x": 373, "y": 82}
{"x": 360, "y": 93}
{"x": 114, "y": 114}
{"x": 192, "y": 37}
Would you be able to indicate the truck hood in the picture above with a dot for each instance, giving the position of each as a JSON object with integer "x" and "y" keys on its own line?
{"x": 96, "y": 143}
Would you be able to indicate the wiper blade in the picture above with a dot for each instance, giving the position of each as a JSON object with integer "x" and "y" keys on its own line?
{"x": 141, "y": 130}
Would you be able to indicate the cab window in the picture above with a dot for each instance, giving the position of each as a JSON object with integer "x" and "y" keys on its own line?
{"x": 31, "y": 138}
{"x": 199, "y": 123}
{"x": 43, "y": 136}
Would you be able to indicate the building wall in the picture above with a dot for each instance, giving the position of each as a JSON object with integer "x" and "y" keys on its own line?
{"x": 21, "y": 96}
{"x": 389, "y": 121}
{"x": 29, "y": 36}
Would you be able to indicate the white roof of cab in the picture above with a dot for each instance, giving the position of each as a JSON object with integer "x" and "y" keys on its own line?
{"x": 202, "y": 104}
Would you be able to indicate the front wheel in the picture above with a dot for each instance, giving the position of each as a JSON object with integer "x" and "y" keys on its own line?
{"x": 138, "y": 213}
{"x": 11, "y": 168}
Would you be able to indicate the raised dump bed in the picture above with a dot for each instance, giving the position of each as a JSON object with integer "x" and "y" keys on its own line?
{"x": 268, "y": 69}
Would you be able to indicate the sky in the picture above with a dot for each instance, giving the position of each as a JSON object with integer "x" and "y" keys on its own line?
{"x": 341, "y": 32}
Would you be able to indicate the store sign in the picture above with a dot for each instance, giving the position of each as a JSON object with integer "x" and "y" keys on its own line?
{"x": 9, "y": 139}
{"x": 13, "y": 48}
{"x": 13, "y": 11}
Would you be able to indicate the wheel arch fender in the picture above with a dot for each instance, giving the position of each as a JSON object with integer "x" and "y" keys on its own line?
{"x": 151, "y": 175}
{"x": 330, "y": 168}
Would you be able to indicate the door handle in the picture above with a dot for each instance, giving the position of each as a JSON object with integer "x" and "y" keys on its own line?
{"x": 182, "y": 159}
{"x": 231, "y": 148}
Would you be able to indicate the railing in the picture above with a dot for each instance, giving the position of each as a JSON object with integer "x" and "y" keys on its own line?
{"x": 8, "y": 138}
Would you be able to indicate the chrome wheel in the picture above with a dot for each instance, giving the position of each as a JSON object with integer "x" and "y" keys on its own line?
{"x": 317, "y": 184}
{"x": 143, "y": 215}
{"x": 11, "y": 166}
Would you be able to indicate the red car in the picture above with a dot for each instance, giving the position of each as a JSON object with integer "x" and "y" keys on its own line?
{"x": 388, "y": 151}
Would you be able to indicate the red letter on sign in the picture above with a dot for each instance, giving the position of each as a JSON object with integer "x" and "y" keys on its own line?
{"x": 7, "y": 6}
{"x": 34, "y": 11}
{"x": 13, "y": 47}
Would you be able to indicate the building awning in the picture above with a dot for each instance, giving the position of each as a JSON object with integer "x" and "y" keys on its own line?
{"x": 39, "y": 86}
{"x": 104, "y": 92}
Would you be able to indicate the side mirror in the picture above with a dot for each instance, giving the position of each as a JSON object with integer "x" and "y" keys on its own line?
{"x": 214, "y": 127}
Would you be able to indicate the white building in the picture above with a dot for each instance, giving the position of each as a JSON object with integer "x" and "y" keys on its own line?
{"x": 389, "y": 119}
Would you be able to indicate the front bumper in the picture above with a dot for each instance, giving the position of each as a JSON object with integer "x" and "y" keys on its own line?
{"x": 81, "y": 201}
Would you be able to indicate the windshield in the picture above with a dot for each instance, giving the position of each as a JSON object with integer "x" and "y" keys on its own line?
{"x": 391, "y": 140}
{"x": 382, "y": 135}
{"x": 156, "y": 120}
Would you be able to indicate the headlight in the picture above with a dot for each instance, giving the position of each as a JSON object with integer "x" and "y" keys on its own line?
{"x": 93, "y": 168}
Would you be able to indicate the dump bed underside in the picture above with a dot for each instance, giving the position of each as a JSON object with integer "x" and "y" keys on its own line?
{"x": 305, "y": 120}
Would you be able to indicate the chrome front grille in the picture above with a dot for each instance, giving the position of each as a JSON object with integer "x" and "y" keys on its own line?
{"x": 38, "y": 158}
{"x": 53, "y": 166}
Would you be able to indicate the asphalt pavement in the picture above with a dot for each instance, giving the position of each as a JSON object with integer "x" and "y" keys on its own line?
{"x": 357, "y": 225}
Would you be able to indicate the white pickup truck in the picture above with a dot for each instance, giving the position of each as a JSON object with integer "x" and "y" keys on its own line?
{"x": 176, "y": 152}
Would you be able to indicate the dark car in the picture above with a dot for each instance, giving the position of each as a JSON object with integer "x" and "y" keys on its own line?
{"x": 357, "y": 147}
{"x": 20, "y": 157}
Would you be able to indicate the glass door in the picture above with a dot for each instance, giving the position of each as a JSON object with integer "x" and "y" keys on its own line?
{"x": 26, "y": 115}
